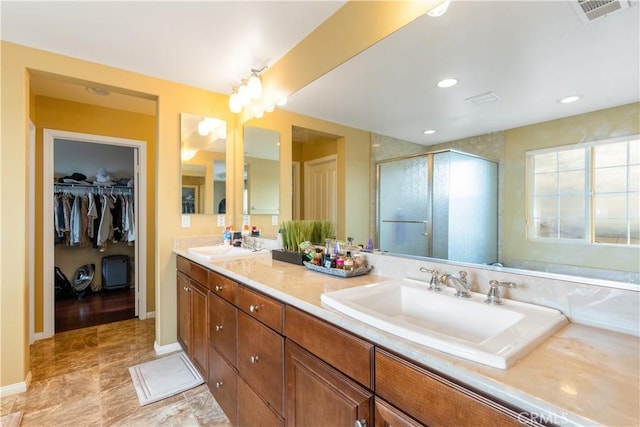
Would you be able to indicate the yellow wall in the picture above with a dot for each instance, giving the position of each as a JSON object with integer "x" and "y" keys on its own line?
{"x": 172, "y": 99}
{"x": 598, "y": 125}
{"x": 51, "y": 113}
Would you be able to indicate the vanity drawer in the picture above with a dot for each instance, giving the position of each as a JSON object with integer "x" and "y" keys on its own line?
{"x": 261, "y": 360}
{"x": 261, "y": 307}
{"x": 347, "y": 353}
{"x": 434, "y": 400}
{"x": 183, "y": 265}
{"x": 223, "y": 327}
{"x": 222, "y": 382}
{"x": 223, "y": 286}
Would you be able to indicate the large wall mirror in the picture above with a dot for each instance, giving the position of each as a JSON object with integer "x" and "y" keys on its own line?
{"x": 261, "y": 193}
{"x": 523, "y": 76}
{"x": 203, "y": 172}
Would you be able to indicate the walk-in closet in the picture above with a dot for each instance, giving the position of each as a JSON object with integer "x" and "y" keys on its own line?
{"x": 94, "y": 230}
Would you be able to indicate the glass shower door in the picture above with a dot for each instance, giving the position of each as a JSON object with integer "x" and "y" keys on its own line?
{"x": 403, "y": 206}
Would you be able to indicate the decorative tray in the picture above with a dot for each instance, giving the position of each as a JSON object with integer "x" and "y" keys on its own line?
{"x": 360, "y": 271}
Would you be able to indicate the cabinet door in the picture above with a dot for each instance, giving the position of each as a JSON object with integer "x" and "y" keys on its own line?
{"x": 253, "y": 411}
{"x": 222, "y": 382}
{"x": 223, "y": 320}
{"x": 184, "y": 312}
{"x": 261, "y": 360}
{"x": 199, "y": 331}
{"x": 388, "y": 416}
{"x": 319, "y": 395}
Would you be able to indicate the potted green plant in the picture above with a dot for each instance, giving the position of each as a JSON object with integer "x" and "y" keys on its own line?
{"x": 295, "y": 232}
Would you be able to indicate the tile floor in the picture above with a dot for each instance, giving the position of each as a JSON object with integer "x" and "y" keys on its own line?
{"x": 81, "y": 378}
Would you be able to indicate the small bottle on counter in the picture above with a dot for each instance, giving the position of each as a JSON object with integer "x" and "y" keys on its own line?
{"x": 348, "y": 262}
{"x": 340, "y": 263}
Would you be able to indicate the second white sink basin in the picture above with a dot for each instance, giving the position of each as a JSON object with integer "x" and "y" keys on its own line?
{"x": 212, "y": 253}
{"x": 497, "y": 336}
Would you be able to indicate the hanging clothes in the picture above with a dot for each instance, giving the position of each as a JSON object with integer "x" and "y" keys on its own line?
{"x": 105, "y": 229}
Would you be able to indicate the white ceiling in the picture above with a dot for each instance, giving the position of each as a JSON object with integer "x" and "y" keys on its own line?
{"x": 529, "y": 53}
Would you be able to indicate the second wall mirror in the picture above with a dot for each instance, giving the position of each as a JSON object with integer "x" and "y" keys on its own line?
{"x": 203, "y": 143}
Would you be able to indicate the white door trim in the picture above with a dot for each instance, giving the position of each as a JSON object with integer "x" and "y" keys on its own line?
{"x": 140, "y": 209}
{"x": 32, "y": 231}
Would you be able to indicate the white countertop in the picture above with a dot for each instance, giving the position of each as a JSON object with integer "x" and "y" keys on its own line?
{"x": 580, "y": 376}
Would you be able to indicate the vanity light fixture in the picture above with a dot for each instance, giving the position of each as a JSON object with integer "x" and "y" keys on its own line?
{"x": 569, "y": 99}
{"x": 448, "y": 82}
{"x": 440, "y": 9}
{"x": 429, "y": 132}
{"x": 250, "y": 95}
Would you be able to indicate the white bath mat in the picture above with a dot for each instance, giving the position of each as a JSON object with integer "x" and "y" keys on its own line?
{"x": 165, "y": 377}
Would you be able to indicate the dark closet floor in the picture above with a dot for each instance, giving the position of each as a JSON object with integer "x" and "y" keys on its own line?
{"x": 95, "y": 309}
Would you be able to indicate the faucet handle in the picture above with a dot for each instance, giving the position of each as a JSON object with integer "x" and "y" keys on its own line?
{"x": 494, "y": 296}
{"x": 434, "y": 283}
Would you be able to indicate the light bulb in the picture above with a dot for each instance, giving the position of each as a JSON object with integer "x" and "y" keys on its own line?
{"x": 257, "y": 110}
{"x": 270, "y": 108}
{"x": 204, "y": 127}
{"x": 245, "y": 95}
{"x": 255, "y": 86}
{"x": 235, "y": 105}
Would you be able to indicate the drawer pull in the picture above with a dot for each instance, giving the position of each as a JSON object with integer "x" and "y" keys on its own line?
{"x": 218, "y": 288}
{"x": 254, "y": 359}
{"x": 185, "y": 288}
{"x": 360, "y": 423}
{"x": 218, "y": 328}
{"x": 219, "y": 384}
{"x": 254, "y": 308}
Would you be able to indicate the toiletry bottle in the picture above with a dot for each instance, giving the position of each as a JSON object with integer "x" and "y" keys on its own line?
{"x": 348, "y": 262}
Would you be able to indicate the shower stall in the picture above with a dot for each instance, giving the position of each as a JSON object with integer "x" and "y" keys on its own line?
{"x": 441, "y": 205}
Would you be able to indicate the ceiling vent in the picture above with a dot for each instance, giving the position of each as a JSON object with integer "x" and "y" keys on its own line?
{"x": 590, "y": 10}
{"x": 483, "y": 98}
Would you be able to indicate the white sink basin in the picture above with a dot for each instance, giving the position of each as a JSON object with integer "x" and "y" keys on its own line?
{"x": 212, "y": 253}
{"x": 497, "y": 336}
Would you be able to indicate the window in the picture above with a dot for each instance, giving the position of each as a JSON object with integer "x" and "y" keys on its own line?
{"x": 589, "y": 193}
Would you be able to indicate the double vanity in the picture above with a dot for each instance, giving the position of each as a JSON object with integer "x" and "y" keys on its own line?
{"x": 280, "y": 344}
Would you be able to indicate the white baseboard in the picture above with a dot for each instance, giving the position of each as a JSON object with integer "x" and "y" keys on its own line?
{"x": 164, "y": 349}
{"x": 16, "y": 388}
{"x": 151, "y": 315}
{"x": 40, "y": 336}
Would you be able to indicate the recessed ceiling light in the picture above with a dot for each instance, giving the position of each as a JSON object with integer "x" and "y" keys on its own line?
{"x": 429, "y": 132}
{"x": 569, "y": 99}
{"x": 447, "y": 82}
{"x": 97, "y": 91}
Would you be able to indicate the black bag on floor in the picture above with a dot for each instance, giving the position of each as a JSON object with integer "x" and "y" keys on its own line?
{"x": 63, "y": 289}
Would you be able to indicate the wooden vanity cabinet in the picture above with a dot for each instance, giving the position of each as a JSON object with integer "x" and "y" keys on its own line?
{"x": 223, "y": 383}
{"x": 223, "y": 321}
{"x": 320, "y": 395}
{"x": 192, "y": 312}
{"x": 435, "y": 400}
{"x": 386, "y": 416}
{"x": 261, "y": 361}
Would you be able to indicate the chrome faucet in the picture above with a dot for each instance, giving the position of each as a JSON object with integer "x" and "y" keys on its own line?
{"x": 494, "y": 296}
{"x": 461, "y": 285}
{"x": 434, "y": 283}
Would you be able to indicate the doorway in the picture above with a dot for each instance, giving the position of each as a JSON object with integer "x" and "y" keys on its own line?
{"x": 138, "y": 190}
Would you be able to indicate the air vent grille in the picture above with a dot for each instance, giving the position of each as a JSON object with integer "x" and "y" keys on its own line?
{"x": 483, "y": 98}
{"x": 590, "y": 10}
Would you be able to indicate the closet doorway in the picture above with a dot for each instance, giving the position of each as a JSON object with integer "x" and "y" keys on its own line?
{"x": 59, "y": 143}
